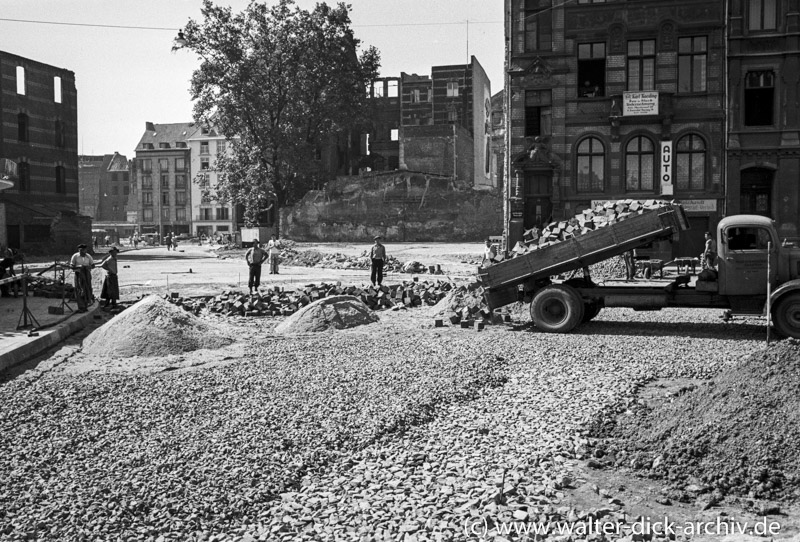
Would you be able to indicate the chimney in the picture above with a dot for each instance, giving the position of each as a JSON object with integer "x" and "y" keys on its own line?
{"x": 149, "y": 126}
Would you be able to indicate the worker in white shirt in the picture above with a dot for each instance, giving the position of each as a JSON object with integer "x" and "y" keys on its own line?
{"x": 274, "y": 250}
{"x": 82, "y": 264}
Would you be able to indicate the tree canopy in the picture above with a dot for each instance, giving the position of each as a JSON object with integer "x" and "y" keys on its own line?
{"x": 275, "y": 81}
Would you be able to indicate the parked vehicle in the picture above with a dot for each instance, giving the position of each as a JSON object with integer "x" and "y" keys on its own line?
{"x": 261, "y": 233}
{"x": 750, "y": 256}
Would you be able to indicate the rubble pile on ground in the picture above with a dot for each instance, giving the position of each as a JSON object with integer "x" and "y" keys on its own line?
{"x": 335, "y": 312}
{"x": 738, "y": 433}
{"x": 153, "y": 327}
{"x": 589, "y": 220}
{"x": 320, "y": 437}
{"x": 464, "y": 303}
{"x": 278, "y": 301}
{"x": 312, "y": 258}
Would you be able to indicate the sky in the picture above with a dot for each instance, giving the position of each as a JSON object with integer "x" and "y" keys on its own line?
{"x": 128, "y": 76}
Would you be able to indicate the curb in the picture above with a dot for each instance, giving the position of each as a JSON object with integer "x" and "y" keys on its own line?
{"x": 26, "y": 351}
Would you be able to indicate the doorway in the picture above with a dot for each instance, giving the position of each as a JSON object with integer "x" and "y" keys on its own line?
{"x": 538, "y": 203}
{"x": 755, "y": 193}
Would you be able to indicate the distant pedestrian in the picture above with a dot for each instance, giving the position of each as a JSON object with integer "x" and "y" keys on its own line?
{"x": 630, "y": 265}
{"x": 110, "y": 291}
{"x": 108, "y": 239}
{"x": 274, "y": 249}
{"x": 174, "y": 241}
{"x": 7, "y": 271}
{"x": 82, "y": 264}
{"x": 95, "y": 240}
{"x": 489, "y": 254}
{"x": 378, "y": 257}
{"x": 255, "y": 257}
{"x": 168, "y": 241}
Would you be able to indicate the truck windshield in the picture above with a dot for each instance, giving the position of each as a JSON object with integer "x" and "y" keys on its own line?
{"x": 747, "y": 238}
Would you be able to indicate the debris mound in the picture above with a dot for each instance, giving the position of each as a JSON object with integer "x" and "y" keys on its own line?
{"x": 738, "y": 433}
{"x": 153, "y": 327}
{"x": 337, "y": 312}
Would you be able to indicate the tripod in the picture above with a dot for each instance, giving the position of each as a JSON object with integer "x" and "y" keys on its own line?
{"x": 26, "y": 312}
{"x": 64, "y": 303}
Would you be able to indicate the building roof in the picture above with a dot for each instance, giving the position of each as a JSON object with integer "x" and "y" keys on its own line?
{"x": 165, "y": 133}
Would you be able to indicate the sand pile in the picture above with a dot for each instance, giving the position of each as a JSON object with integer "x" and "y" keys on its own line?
{"x": 738, "y": 433}
{"x": 153, "y": 327}
{"x": 337, "y": 312}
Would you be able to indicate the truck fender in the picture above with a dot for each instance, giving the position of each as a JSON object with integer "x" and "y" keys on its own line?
{"x": 780, "y": 291}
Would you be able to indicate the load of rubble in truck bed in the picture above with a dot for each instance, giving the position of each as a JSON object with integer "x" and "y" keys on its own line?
{"x": 599, "y": 216}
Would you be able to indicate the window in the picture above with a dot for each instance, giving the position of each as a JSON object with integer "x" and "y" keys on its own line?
{"x": 538, "y": 115}
{"x": 163, "y": 164}
{"x": 377, "y": 89}
{"x": 147, "y": 215}
{"x": 24, "y": 174}
{"x": 591, "y": 165}
{"x": 180, "y": 198}
{"x": 165, "y": 199}
{"x": 59, "y": 133}
{"x": 126, "y": 190}
{"x": 180, "y": 214}
{"x": 22, "y": 127}
{"x": 165, "y": 213}
{"x": 592, "y": 69}
{"x": 204, "y": 130}
{"x": 204, "y": 163}
{"x": 222, "y": 213}
{"x": 147, "y": 182}
{"x": 690, "y": 163}
{"x": 748, "y": 238}
{"x": 147, "y": 165}
{"x": 205, "y": 214}
{"x": 180, "y": 144}
{"x": 204, "y": 147}
{"x": 642, "y": 65}
{"x": 415, "y": 96}
{"x": 497, "y": 118}
{"x": 692, "y": 58}
{"x": 394, "y": 134}
{"x": 538, "y": 33}
{"x": 640, "y": 159}
{"x": 147, "y": 198}
{"x": 180, "y": 164}
{"x": 57, "y": 89}
{"x": 180, "y": 181}
{"x": 221, "y": 146}
{"x": 21, "y": 86}
{"x": 759, "y": 97}
{"x": 115, "y": 208}
{"x": 164, "y": 178}
{"x": 452, "y": 89}
{"x": 391, "y": 89}
{"x": 762, "y": 15}
{"x": 452, "y": 116}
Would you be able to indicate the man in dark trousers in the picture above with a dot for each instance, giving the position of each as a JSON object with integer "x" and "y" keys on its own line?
{"x": 254, "y": 257}
{"x": 378, "y": 256}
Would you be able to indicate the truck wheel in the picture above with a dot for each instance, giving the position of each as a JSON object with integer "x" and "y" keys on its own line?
{"x": 557, "y": 309}
{"x": 786, "y": 315}
{"x": 590, "y": 310}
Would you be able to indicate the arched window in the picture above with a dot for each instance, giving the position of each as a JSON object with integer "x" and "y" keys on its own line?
{"x": 591, "y": 163}
{"x": 690, "y": 163}
{"x": 640, "y": 171}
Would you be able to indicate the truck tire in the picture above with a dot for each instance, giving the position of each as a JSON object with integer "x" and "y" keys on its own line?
{"x": 786, "y": 315}
{"x": 557, "y": 309}
{"x": 590, "y": 310}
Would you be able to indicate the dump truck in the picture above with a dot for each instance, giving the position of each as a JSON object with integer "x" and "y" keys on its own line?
{"x": 753, "y": 267}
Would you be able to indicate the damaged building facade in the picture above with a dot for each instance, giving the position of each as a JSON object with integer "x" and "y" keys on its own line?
{"x": 39, "y": 152}
{"x": 425, "y": 166}
{"x": 607, "y": 103}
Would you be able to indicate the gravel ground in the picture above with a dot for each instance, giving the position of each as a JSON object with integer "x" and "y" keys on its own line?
{"x": 392, "y": 431}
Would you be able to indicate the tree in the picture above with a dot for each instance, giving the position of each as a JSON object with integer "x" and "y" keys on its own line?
{"x": 276, "y": 82}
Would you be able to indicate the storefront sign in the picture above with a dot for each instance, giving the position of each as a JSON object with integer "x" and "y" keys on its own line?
{"x": 699, "y": 205}
{"x": 639, "y": 103}
{"x": 132, "y": 216}
{"x": 665, "y": 168}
